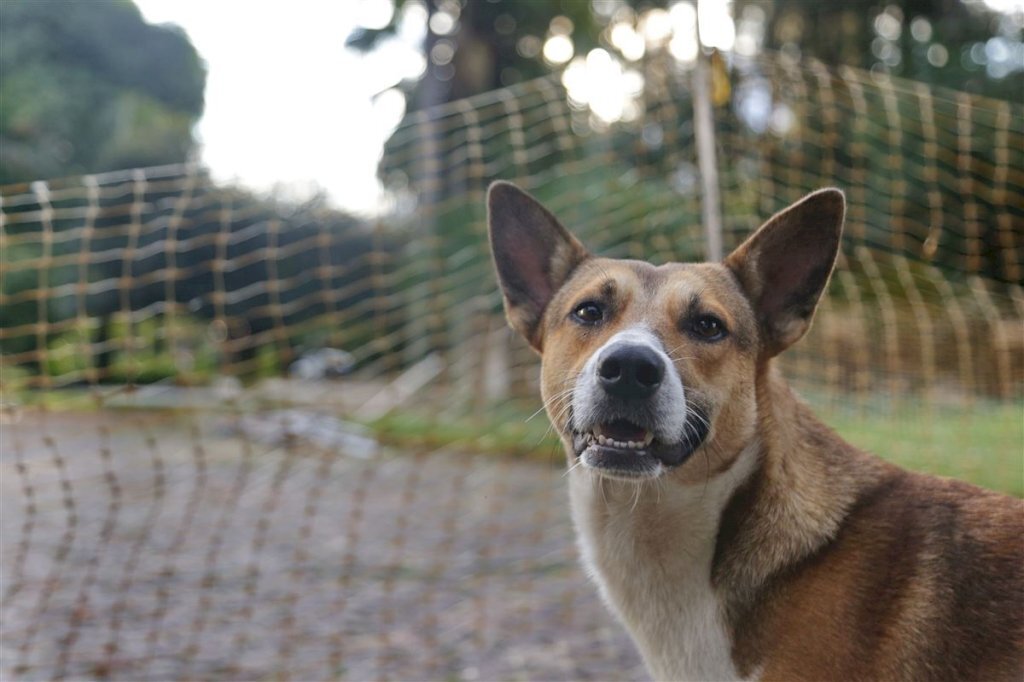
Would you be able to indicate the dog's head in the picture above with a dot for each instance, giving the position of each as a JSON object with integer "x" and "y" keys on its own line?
{"x": 643, "y": 365}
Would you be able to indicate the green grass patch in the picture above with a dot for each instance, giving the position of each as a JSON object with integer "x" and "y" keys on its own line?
{"x": 983, "y": 445}
{"x": 507, "y": 430}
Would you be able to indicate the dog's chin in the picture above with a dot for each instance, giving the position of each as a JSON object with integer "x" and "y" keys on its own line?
{"x": 645, "y": 458}
{"x": 618, "y": 463}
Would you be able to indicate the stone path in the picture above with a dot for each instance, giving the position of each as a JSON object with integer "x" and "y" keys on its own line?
{"x": 150, "y": 546}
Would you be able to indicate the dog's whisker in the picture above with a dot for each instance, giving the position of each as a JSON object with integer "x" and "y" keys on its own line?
{"x": 556, "y": 397}
{"x": 557, "y": 416}
{"x": 542, "y": 408}
{"x": 579, "y": 463}
{"x": 637, "y": 489}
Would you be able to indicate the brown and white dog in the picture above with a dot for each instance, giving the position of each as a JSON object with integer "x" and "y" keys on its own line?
{"x": 734, "y": 534}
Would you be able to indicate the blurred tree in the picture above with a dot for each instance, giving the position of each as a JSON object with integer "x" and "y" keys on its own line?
{"x": 270, "y": 272}
{"x": 472, "y": 46}
{"x": 476, "y": 46}
{"x": 965, "y": 45}
{"x": 88, "y": 87}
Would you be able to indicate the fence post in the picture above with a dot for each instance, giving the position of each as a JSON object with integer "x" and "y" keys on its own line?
{"x": 704, "y": 131}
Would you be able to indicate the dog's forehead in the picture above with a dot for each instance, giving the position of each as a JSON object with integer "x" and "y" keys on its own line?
{"x": 707, "y": 282}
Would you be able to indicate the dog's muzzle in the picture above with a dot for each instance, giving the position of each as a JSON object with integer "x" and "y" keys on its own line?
{"x": 631, "y": 418}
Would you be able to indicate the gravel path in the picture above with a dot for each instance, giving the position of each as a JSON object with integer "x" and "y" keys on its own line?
{"x": 150, "y": 547}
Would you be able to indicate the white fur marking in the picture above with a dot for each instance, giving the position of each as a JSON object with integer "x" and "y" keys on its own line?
{"x": 652, "y": 562}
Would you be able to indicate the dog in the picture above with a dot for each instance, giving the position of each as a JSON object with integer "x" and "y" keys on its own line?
{"x": 733, "y": 533}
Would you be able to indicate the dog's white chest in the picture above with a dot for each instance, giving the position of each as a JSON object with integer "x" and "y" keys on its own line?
{"x": 651, "y": 557}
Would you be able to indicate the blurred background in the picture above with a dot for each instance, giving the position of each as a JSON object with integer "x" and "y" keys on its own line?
{"x": 261, "y": 415}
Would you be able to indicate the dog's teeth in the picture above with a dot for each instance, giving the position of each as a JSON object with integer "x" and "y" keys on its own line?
{"x": 595, "y": 437}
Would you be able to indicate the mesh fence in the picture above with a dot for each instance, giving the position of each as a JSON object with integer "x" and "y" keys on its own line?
{"x": 245, "y": 439}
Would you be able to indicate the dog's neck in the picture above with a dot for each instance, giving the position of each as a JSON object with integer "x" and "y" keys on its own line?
{"x": 806, "y": 481}
{"x": 690, "y": 559}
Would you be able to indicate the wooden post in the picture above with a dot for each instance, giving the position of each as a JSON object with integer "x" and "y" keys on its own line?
{"x": 704, "y": 130}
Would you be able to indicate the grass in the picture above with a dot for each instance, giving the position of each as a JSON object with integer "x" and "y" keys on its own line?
{"x": 983, "y": 445}
{"x": 508, "y": 430}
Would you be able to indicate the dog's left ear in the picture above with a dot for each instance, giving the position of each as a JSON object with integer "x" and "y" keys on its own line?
{"x": 533, "y": 254}
{"x": 785, "y": 265}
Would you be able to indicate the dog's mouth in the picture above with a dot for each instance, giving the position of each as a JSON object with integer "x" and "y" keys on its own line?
{"x": 623, "y": 449}
{"x": 620, "y": 435}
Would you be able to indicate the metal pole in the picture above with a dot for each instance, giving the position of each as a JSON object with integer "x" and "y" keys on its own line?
{"x": 704, "y": 130}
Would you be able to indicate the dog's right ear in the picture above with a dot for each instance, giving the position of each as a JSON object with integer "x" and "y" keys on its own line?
{"x": 533, "y": 254}
{"x": 785, "y": 265}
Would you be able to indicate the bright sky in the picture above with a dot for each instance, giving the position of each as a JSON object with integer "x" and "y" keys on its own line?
{"x": 288, "y": 106}
{"x": 286, "y": 103}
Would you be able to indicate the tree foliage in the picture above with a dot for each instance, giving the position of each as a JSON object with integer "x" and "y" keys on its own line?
{"x": 964, "y": 46}
{"x": 87, "y": 87}
{"x": 494, "y": 43}
{"x": 213, "y": 252}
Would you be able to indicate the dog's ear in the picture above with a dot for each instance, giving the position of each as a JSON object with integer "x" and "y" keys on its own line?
{"x": 785, "y": 265}
{"x": 533, "y": 255}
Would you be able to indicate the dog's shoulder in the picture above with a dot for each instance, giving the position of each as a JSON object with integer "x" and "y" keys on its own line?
{"x": 924, "y": 580}
{"x": 965, "y": 541}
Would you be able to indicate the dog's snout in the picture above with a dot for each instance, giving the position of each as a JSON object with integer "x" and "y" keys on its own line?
{"x": 631, "y": 372}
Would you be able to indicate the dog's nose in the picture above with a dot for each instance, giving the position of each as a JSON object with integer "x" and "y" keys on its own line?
{"x": 631, "y": 372}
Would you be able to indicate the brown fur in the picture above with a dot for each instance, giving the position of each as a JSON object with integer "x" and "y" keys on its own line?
{"x": 828, "y": 562}
{"x": 921, "y": 579}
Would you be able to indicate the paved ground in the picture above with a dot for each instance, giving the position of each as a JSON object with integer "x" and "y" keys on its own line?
{"x": 144, "y": 546}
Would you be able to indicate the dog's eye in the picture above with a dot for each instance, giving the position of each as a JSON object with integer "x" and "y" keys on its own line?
{"x": 708, "y": 328}
{"x": 588, "y": 313}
